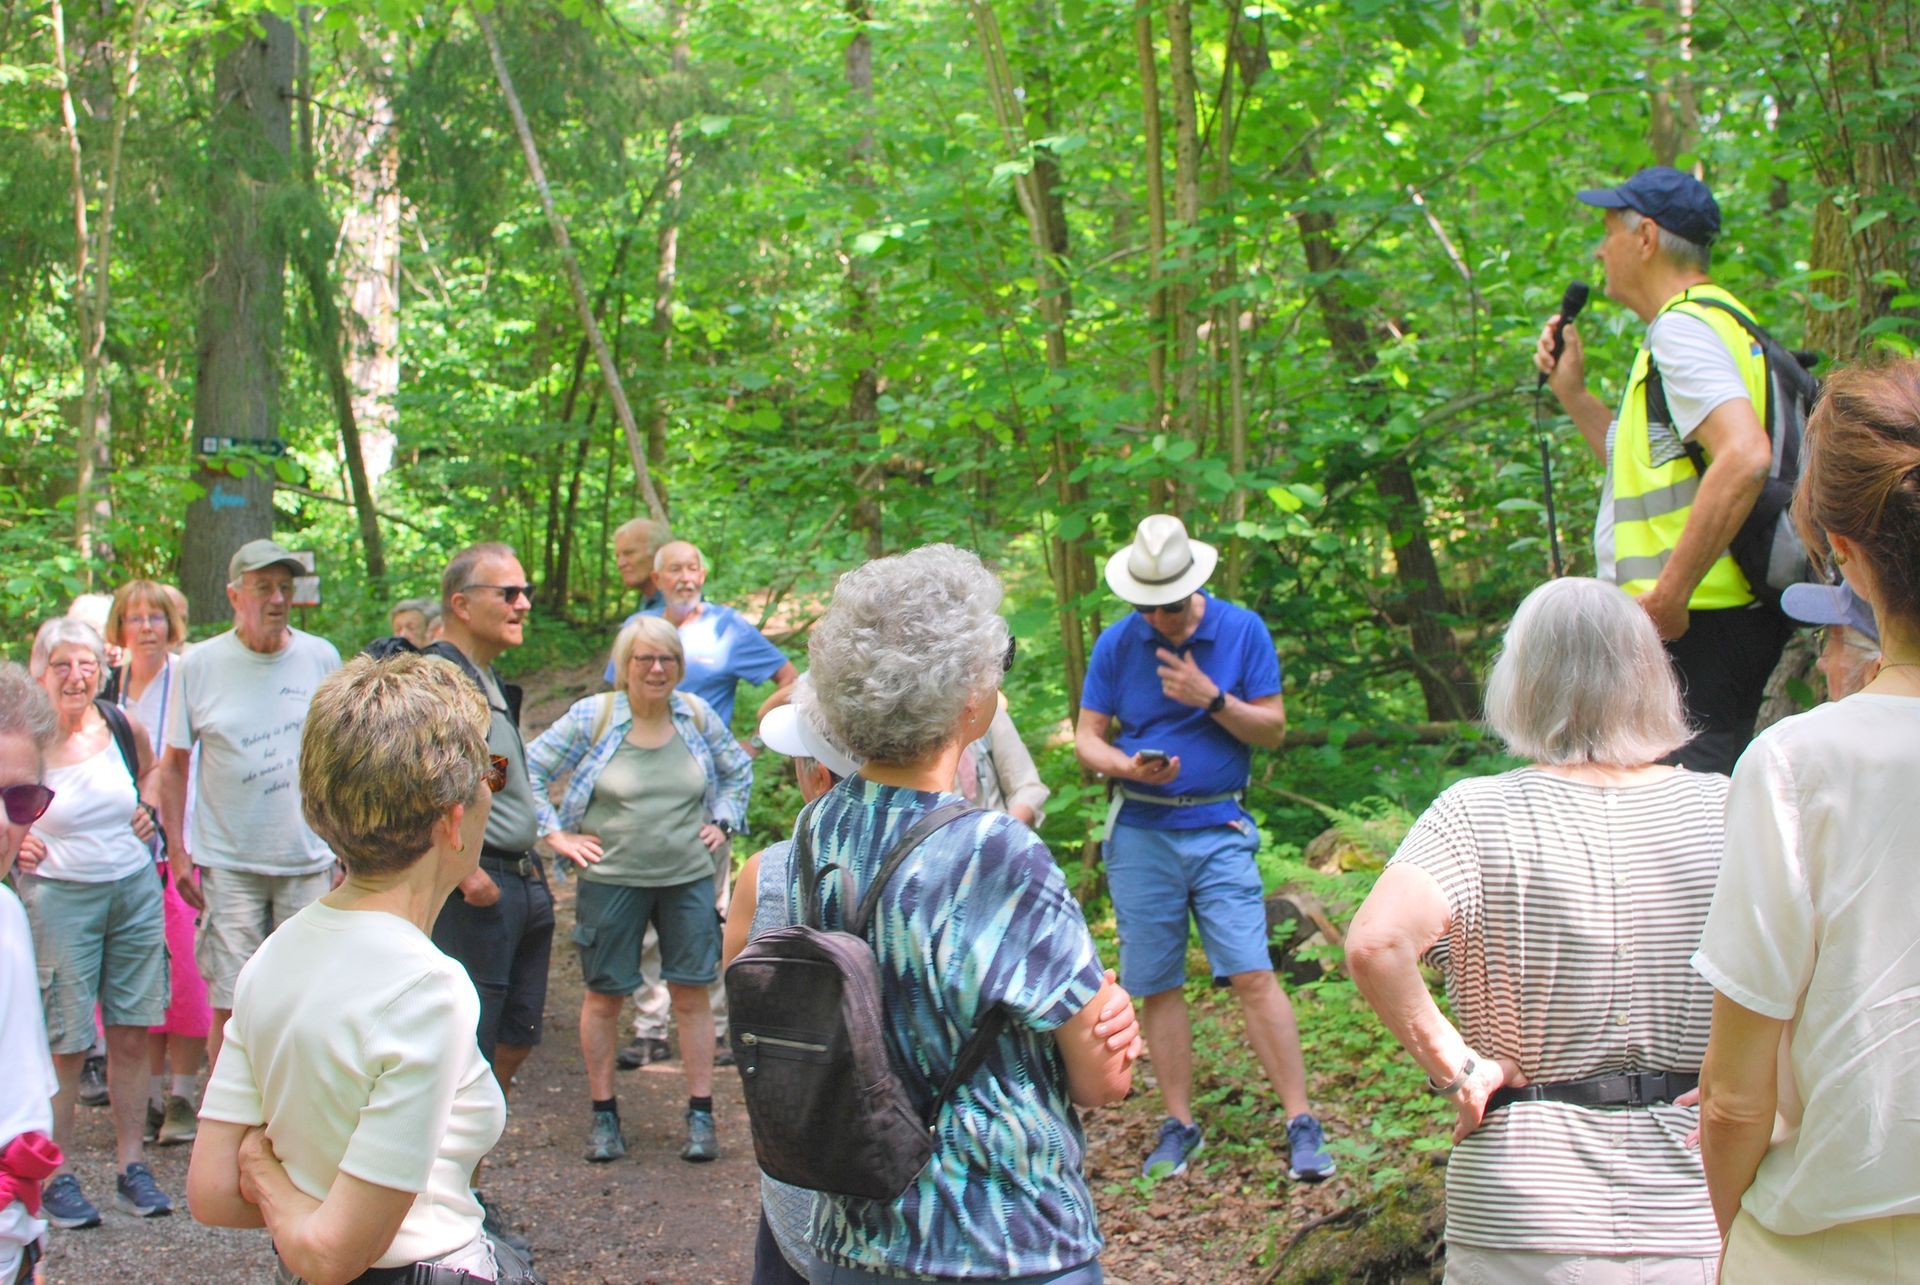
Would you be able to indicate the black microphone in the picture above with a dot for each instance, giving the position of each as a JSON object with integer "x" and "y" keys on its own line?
{"x": 1570, "y": 305}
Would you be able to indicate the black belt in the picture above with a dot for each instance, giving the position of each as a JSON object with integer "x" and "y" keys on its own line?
{"x": 1633, "y": 1089}
{"x": 524, "y": 864}
{"x": 415, "y": 1274}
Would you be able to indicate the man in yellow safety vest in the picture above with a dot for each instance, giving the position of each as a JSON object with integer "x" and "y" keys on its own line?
{"x": 1664, "y": 525}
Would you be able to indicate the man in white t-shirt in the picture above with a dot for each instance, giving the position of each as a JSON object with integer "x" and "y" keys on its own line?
{"x": 242, "y": 702}
{"x": 27, "y": 1153}
{"x": 1665, "y": 523}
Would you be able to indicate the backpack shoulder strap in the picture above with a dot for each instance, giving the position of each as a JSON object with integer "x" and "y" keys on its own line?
{"x": 602, "y": 717}
{"x": 971, "y": 1055}
{"x": 122, "y": 734}
{"x": 802, "y": 858}
{"x": 921, "y": 831}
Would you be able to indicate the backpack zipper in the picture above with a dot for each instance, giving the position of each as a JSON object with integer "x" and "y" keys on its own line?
{"x": 750, "y": 1039}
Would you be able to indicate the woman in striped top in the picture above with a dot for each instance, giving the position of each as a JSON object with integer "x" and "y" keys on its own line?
{"x": 1561, "y": 902}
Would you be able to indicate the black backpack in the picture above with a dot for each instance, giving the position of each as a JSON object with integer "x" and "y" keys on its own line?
{"x": 829, "y": 1110}
{"x": 1767, "y": 549}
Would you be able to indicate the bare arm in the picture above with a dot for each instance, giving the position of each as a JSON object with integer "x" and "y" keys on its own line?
{"x": 1403, "y": 916}
{"x": 1739, "y": 1092}
{"x": 1738, "y": 459}
{"x": 746, "y": 899}
{"x": 1261, "y": 723}
{"x": 1567, "y": 377}
{"x": 174, "y": 765}
{"x": 325, "y": 1242}
{"x": 1099, "y": 1045}
{"x": 213, "y": 1178}
{"x": 1097, "y": 754}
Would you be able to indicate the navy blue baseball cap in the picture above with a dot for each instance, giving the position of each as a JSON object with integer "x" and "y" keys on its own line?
{"x": 1674, "y": 199}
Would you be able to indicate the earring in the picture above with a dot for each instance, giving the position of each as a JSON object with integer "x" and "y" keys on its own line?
{"x": 1839, "y": 558}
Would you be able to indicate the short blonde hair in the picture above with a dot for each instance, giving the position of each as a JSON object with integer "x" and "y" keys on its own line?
{"x": 389, "y": 747}
{"x": 654, "y": 631}
{"x": 146, "y": 591}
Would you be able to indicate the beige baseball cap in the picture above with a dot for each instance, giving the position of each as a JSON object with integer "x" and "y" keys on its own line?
{"x": 258, "y": 555}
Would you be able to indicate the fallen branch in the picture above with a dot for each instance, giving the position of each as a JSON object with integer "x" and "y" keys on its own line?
{"x": 1347, "y": 1214}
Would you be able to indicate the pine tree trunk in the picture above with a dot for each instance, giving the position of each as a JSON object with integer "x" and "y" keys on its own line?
{"x": 237, "y": 380}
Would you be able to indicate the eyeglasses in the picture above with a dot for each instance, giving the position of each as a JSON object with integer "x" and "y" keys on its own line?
{"x": 84, "y": 665}
{"x": 157, "y": 620}
{"x": 1846, "y": 637}
{"x": 26, "y": 803}
{"x": 496, "y": 777}
{"x": 507, "y": 592}
{"x": 1169, "y": 609}
{"x": 648, "y": 662}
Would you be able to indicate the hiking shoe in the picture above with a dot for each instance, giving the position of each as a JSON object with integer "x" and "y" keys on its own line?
{"x": 93, "y": 1082}
{"x": 66, "y": 1206}
{"x": 1178, "y": 1144}
{"x": 136, "y": 1193}
{"x": 494, "y": 1223}
{"x": 605, "y": 1142}
{"x": 1307, "y": 1149}
{"x": 179, "y": 1124}
{"x": 639, "y": 1052}
{"x": 155, "y": 1117}
{"x": 703, "y": 1143}
{"x": 722, "y": 1052}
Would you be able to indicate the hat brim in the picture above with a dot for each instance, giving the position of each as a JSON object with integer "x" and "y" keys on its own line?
{"x": 1828, "y": 604}
{"x": 1607, "y": 198}
{"x": 296, "y": 567}
{"x": 785, "y": 732}
{"x": 1128, "y": 589}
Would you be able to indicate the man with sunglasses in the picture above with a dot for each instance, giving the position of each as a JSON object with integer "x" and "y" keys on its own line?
{"x": 1193, "y": 685}
{"x": 242, "y": 704}
{"x": 27, "y": 1153}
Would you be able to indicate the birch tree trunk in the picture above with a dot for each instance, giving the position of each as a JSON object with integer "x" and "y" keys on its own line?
{"x": 570, "y": 265}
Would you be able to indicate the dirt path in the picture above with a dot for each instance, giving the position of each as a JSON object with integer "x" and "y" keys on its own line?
{"x": 655, "y": 1218}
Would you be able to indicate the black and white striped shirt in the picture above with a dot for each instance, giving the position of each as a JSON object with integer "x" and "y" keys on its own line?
{"x": 1575, "y": 908}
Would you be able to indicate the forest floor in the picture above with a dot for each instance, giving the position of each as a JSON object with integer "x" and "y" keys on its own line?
{"x": 655, "y": 1218}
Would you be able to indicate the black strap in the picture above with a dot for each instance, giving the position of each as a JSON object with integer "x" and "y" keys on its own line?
{"x": 1628, "y": 1089}
{"x": 971, "y": 1055}
{"x": 922, "y": 830}
{"x": 122, "y": 734}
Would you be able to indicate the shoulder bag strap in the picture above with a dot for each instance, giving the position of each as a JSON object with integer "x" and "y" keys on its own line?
{"x": 122, "y": 734}
{"x": 858, "y": 921}
{"x": 803, "y": 865}
{"x": 972, "y": 1054}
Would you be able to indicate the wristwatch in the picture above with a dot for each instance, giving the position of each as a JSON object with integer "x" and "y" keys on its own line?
{"x": 1218, "y": 703}
{"x": 725, "y": 827}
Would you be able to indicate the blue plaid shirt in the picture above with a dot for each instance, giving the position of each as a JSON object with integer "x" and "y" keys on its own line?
{"x": 570, "y": 743}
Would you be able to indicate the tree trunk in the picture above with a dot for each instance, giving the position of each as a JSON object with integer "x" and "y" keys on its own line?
{"x": 863, "y": 397}
{"x": 1231, "y": 315}
{"x": 237, "y": 381}
{"x": 369, "y": 260}
{"x": 327, "y": 343}
{"x": 1148, "y": 62}
{"x": 1186, "y": 405}
{"x": 570, "y": 264}
{"x": 667, "y": 262}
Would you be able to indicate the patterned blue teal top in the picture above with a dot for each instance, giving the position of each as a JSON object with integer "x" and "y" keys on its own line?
{"x": 978, "y": 915}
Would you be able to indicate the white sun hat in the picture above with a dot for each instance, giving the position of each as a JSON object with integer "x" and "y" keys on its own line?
{"x": 788, "y": 731}
{"x": 1162, "y": 564}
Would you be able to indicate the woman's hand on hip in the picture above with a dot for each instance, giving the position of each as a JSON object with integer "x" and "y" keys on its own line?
{"x": 713, "y": 836}
{"x": 1470, "y": 1099}
{"x": 581, "y": 849}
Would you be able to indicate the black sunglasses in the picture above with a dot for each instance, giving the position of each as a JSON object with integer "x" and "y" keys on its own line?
{"x": 1170, "y": 609}
{"x": 26, "y": 803}
{"x": 496, "y": 777}
{"x": 508, "y": 592}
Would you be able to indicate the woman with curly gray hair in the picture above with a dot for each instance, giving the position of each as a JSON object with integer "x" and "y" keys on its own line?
{"x": 906, "y": 665}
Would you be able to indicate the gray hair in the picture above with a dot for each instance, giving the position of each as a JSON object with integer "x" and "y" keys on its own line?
{"x": 655, "y": 631}
{"x": 660, "y": 550}
{"x": 904, "y": 644}
{"x": 460, "y": 567}
{"x": 427, "y": 607}
{"x": 1681, "y": 252}
{"x": 1582, "y": 678}
{"x": 24, "y": 707}
{"x": 658, "y": 533}
{"x": 64, "y": 631}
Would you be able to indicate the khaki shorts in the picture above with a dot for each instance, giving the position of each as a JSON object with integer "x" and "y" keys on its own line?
{"x": 1469, "y": 1265}
{"x": 103, "y": 943}
{"x": 1877, "y": 1249}
{"x": 242, "y": 908}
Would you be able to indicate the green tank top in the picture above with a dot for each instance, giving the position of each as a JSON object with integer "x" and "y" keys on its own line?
{"x": 647, "y": 809}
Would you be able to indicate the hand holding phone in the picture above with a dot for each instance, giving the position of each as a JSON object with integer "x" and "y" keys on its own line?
{"x": 1154, "y": 767}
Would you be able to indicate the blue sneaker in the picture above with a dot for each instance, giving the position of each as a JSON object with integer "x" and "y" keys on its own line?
{"x": 137, "y": 1193}
{"x": 1178, "y": 1144}
{"x": 66, "y": 1206}
{"x": 1307, "y": 1149}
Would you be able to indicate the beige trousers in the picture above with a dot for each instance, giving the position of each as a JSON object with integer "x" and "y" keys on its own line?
{"x": 1468, "y": 1265}
{"x": 1879, "y": 1249}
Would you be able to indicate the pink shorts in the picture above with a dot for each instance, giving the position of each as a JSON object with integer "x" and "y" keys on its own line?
{"x": 188, "y": 1014}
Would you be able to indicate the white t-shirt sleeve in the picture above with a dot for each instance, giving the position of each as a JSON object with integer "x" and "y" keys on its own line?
{"x": 1698, "y": 372}
{"x": 233, "y": 1094}
{"x": 1759, "y": 942}
{"x": 397, "y": 1138}
{"x": 179, "y": 729}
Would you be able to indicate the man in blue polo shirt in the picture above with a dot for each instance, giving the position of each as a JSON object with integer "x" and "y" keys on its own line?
{"x": 1178, "y": 693}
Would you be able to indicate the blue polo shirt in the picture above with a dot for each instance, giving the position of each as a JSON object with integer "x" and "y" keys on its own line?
{"x": 723, "y": 650}
{"x": 1233, "y": 648}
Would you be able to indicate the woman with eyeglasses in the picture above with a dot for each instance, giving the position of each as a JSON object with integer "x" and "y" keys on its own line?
{"x": 146, "y": 623}
{"x": 659, "y": 785}
{"x": 351, "y": 1102}
{"x": 98, "y": 914}
{"x": 27, "y": 1153}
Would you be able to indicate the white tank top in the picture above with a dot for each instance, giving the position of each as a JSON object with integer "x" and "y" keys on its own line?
{"x": 88, "y": 829}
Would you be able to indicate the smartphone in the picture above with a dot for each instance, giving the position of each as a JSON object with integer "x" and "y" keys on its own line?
{"x": 1151, "y": 756}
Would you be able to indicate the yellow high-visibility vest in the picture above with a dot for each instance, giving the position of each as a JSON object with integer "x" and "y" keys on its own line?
{"x": 1654, "y": 482}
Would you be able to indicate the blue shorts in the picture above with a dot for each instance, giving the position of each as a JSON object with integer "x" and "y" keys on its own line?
{"x": 1156, "y": 877}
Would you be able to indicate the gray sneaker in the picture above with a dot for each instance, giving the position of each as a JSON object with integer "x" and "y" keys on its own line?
{"x": 641, "y": 1051}
{"x": 137, "y": 1193}
{"x": 93, "y": 1082}
{"x": 605, "y": 1142}
{"x": 703, "y": 1142}
{"x": 155, "y": 1118}
{"x": 180, "y": 1124}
